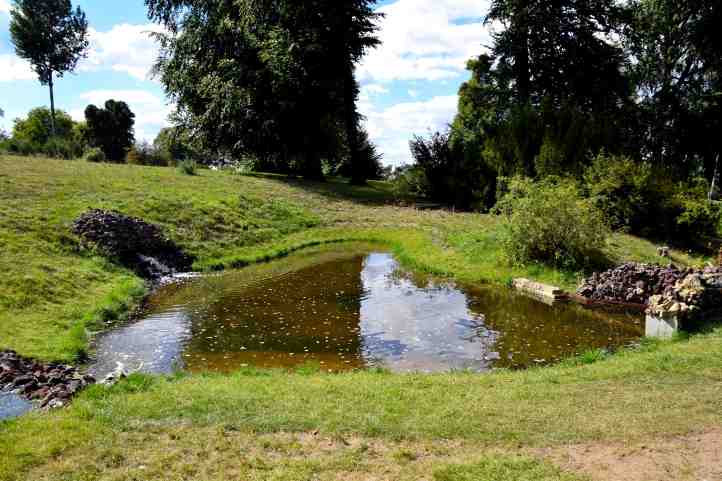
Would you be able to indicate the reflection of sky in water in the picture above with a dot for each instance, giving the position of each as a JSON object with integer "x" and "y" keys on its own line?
{"x": 154, "y": 344}
{"x": 414, "y": 328}
{"x": 12, "y": 405}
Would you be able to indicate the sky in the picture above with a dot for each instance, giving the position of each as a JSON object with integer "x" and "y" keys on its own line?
{"x": 409, "y": 84}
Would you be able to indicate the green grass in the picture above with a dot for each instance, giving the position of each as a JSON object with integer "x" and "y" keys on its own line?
{"x": 256, "y": 424}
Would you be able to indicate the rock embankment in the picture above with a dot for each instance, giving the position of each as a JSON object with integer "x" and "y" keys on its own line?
{"x": 698, "y": 293}
{"x": 135, "y": 243}
{"x": 51, "y": 385}
{"x": 631, "y": 283}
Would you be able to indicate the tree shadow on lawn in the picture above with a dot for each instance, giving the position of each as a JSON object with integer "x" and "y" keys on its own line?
{"x": 374, "y": 193}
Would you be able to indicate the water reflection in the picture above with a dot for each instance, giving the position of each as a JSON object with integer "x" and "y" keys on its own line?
{"x": 12, "y": 405}
{"x": 344, "y": 310}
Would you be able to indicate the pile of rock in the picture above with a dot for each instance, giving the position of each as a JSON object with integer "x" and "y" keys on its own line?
{"x": 631, "y": 283}
{"x": 135, "y": 243}
{"x": 699, "y": 292}
{"x": 51, "y": 385}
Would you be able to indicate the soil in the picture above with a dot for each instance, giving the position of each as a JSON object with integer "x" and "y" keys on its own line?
{"x": 696, "y": 456}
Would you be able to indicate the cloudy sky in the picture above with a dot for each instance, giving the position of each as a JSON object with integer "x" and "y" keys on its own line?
{"x": 409, "y": 84}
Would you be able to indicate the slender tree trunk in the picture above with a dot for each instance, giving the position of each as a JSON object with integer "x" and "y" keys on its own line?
{"x": 521, "y": 54}
{"x": 358, "y": 170}
{"x": 52, "y": 106}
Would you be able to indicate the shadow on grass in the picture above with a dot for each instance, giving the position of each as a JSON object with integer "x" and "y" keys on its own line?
{"x": 374, "y": 193}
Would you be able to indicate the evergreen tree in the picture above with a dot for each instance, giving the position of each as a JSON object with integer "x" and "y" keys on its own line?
{"x": 111, "y": 129}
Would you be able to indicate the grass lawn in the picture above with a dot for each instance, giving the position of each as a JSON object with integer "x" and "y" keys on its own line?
{"x": 304, "y": 425}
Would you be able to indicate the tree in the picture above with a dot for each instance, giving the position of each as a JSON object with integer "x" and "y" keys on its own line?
{"x": 677, "y": 47}
{"x": 111, "y": 129}
{"x": 273, "y": 79}
{"x": 174, "y": 144}
{"x": 561, "y": 51}
{"x": 37, "y": 128}
{"x": 51, "y": 36}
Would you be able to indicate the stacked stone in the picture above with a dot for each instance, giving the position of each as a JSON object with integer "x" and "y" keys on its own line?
{"x": 698, "y": 292}
{"x": 51, "y": 385}
{"x": 630, "y": 283}
{"x": 132, "y": 241}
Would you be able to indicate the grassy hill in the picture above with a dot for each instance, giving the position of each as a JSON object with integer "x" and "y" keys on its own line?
{"x": 52, "y": 289}
{"x": 306, "y": 425}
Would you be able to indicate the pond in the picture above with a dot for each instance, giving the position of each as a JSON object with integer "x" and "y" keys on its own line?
{"x": 348, "y": 308}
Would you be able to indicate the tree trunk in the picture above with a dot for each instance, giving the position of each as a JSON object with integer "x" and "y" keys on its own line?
{"x": 52, "y": 107}
{"x": 521, "y": 54}
{"x": 358, "y": 170}
{"x": 312, "y": 169}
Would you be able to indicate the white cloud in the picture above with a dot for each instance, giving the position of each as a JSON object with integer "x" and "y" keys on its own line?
{"x": 124, "y": 48}
{"x": 13, "y": 68}
{"x": 5, "y": 6}
{"x": 151, "y": 112}
{"x": 426, "y": 39}
{"x": 374, "y": 89}
{"x": 393, "y": 128}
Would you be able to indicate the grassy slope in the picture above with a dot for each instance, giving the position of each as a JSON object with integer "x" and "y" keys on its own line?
{"x": 203, "y": 427}
{"x": 51, "y": 288}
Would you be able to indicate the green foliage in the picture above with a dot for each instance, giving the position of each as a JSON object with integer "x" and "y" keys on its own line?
{"x": 549, "y": 221}
{"x": 94, "y": 154}
{"x": 409, "y": 182}
{"x": 698, "y": 218}
{"x": 451, "y": 176}
{"x": 143, "y": 153}
{"x": 643, "y": 200}
{"x": 623, "y": 189}
{"x": 111, "y": 129}
{"x": 174, "y": 144}
{"x": 33, "y": 135}
{"x": 51, "y": 36}
{"x": 273, "y": 80}
{"x": 187, "y": 167}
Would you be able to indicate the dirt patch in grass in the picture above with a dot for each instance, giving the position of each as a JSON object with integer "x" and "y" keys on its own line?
{"x": 223, "y": 453}
{"x": 694, "y": 457}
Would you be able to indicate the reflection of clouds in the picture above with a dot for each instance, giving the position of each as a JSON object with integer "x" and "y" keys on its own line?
{"x": 12, "y": 405}
{"x": 413, "y": 328}
{"x": 154, "y": 344}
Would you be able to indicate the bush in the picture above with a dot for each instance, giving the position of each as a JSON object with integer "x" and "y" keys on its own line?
{"x": 698, "y": 217}
{"x": 549, "y": 221}
{"x": 94, "y": 155}
{"x": 624, "y": 190}
{"x": 637, "y": 198}
{"x": 187, "y": 167}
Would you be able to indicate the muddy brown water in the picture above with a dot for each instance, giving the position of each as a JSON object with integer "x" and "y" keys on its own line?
{"x": 350, "y": 308}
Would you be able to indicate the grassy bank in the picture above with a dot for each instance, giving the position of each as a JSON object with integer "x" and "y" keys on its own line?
{"x": 304, "y": 425}
{"x": 52, "y": 289}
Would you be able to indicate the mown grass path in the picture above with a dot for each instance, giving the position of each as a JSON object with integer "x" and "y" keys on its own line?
{"x": 281, "y": 425}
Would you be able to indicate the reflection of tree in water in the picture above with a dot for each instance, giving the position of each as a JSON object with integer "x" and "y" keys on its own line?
{"x": 312, "y": 310}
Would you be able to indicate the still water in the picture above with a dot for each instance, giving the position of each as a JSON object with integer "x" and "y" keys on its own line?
{"x": 344, "y": 310}
{"x": 12, "y": 405}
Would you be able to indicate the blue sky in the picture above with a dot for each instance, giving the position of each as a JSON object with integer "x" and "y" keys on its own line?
{"x": 409, "y": 84}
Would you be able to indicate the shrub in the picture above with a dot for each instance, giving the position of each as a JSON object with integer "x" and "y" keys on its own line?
{"x": 642, "y": 200}
{"x": 94, "y": 155}
{"x": 698, "y": 217}
{"x": 549, "y": 221}
{"x": 622, "y": 189}
{"x": 187, "y": 167}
